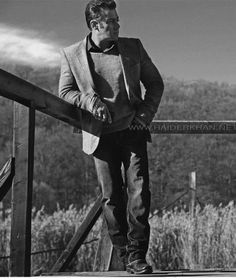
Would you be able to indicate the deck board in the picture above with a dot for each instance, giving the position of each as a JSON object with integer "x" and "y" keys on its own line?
{"x": 156, "y": 273}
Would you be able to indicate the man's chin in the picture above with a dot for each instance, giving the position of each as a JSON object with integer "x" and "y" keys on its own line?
{"x": 115, "y": 35}
{"x": 115, "y": 38}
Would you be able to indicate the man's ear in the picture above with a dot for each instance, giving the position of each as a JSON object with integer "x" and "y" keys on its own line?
{"x": 94, "y": 24}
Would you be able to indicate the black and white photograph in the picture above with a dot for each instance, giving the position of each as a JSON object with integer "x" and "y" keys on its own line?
{"x": 117, "y": 138}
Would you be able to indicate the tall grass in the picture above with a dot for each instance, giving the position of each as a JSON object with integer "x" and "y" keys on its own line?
{"x": 178, "y": 240}
{"x": 53, "y": 232}
{"x": 5, "y": 227}
{"x": 205, "y": 241}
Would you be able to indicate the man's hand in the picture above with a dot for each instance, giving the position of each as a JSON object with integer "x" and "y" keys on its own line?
{"x": 101, "y": 112}
{"x": 139, "y": 120}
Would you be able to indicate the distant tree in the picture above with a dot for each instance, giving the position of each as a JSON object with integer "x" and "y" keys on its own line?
{"x": 44, "y": 195}
{"x": 60, "y": 163}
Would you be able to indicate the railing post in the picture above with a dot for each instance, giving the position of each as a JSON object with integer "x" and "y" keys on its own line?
{"x": 79, "y": 237}
{"x": 192, "y": 190}
{"x": 23, "y": 141}
{"x": 106, "y": 258}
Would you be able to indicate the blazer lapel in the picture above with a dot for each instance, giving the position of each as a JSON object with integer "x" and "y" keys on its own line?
{"x": 82, "y": 56}
{"x": 125, "y": 64}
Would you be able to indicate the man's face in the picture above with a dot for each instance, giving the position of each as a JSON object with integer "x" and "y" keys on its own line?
{"x": 109, "y": 25}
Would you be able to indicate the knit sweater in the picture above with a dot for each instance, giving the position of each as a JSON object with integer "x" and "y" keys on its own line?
{"x": 109, "y": 82}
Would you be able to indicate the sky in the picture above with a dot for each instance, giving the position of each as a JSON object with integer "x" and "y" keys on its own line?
{"x": 186, "y": 39}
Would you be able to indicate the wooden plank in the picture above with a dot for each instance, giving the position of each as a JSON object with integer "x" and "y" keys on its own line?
{"x": 115, "y": 263}
{"x": 156, "y": 273}
{"x": 79, "y": 237}
{"x": 106, "y": 258}
{"x": 21, "y": 91}
{"x": 104, "y": 250}
{"x": 14, "y": 88}
{"x": 20, "y": 244}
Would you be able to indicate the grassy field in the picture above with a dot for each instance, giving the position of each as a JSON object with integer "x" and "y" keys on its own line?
{"x": 205, "y": 241}
{"x": 178, "y": 240}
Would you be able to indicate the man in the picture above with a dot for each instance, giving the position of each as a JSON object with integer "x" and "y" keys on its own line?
{"x": 101, "y": 75}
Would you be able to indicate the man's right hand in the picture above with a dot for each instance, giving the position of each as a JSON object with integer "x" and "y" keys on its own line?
{"x": 101, "y": 112}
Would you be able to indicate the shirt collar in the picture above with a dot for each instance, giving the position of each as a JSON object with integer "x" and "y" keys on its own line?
{"x": 91, "y": 47}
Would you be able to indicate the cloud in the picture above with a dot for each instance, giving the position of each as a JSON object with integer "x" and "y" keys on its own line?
{"x": 26, "y": 47}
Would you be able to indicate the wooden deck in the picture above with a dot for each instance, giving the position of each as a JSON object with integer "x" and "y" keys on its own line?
{"x": 185, "y": 273}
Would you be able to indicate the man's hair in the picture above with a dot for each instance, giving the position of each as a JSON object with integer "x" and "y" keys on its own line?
{"x": 94, "y": 9}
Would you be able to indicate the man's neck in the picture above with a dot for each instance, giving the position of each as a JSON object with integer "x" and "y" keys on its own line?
{"x": 101, "y": 43}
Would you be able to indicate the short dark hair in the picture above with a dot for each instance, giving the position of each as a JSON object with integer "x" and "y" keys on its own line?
{"x": 93, "y": 9}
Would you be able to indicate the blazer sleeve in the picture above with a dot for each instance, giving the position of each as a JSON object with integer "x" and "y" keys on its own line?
{"x": 154, "y": 86}
{"x": 69, "y": 90}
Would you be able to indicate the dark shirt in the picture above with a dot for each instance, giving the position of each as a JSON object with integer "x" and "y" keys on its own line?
{"x": 91, "y": 47}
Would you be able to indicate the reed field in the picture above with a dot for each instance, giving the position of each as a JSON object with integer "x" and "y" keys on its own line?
{"x": 178, "y": 240}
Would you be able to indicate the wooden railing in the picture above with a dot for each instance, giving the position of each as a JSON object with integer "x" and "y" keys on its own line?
{"x": 29, "y": 98}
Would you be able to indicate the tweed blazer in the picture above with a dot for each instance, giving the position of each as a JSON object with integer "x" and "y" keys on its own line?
{"x": 76, "y": 85}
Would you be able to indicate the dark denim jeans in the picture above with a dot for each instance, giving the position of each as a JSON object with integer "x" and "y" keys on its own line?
{"x": 125, "y": 204}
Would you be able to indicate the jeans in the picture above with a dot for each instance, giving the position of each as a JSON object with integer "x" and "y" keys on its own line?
{"x": 126, "y": 203}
